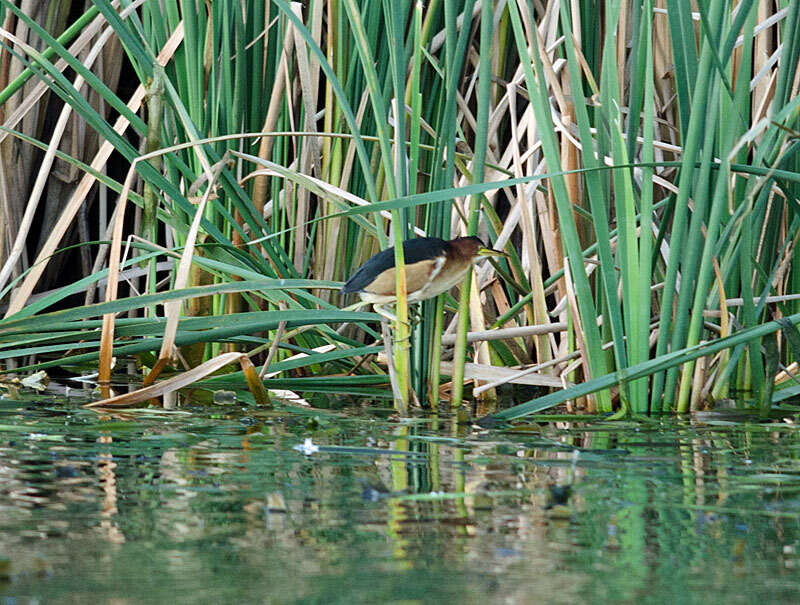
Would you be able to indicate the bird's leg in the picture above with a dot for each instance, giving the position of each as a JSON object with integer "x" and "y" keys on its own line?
{"x": 415, "y": 314}
{"x": 384, "y": 312}
{"x": 387, "y": 314}
{"x": 353, "y": 307}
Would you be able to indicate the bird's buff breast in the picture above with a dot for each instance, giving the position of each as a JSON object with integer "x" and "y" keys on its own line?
{"x": 421, "y": 285}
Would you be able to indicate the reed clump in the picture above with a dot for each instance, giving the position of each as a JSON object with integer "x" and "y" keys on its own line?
{"x": 637, "y": 161}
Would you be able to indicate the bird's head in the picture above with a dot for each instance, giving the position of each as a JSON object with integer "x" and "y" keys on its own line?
{"x": 473, "y": 247}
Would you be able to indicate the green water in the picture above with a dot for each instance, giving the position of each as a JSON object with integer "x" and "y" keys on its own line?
{"x": 212, "y": 504}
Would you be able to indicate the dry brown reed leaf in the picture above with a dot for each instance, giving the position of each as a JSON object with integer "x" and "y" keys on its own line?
{"x": 273, "y": 349}
{"x": 663, "y": 73}
{"x": 790, "y": 372}
{"x": 350, "y": 156}
{"x": 698, "y": 382}
{"x": 171, "y": 384}
{"x": 506, "y": 333}
{"x": 317, "y": 25}
{"x": 107, "y": 336}
{"x": 721, "y": 360}
{"x": 539, "y": 367}
{"x": 497, "y": 375}
{"x": 534, "y": 36}
{"x": 173, "y": 308}
{"x": 276, "y": 341}
{"x": 478, "y": 321}
{"x": 319, "y": 187}
{"x": 578, "y": 329}
{"x": 761, "y": 46}
{"x": 308, "y": 74}
{"x": 273, "y": 112}
{"x": 530, "y": 245}
{"x": 761, "y": 109}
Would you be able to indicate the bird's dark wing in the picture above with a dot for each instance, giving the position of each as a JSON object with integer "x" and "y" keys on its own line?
{"x": 414, "y": 251}
{"x": 423, "y": 248}
{"x": 369, "y": 271}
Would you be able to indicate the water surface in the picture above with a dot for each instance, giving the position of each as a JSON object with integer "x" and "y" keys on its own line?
{"x": 212, "y": 504}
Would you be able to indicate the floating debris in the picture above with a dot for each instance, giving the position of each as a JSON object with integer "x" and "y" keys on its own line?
{"x": 307, "y": 447}
{"x": 37, "y": 381}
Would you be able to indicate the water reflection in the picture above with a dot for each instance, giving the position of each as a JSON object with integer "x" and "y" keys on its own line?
{"x": 217, "y": 502}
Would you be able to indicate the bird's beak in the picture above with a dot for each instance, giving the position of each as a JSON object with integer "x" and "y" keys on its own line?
{"x": 490, "y": 252}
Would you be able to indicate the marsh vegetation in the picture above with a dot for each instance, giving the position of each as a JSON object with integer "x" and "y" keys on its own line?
{"x": 184, "y": 180}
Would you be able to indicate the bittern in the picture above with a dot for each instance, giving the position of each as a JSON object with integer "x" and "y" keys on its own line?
{"x": 433, "y": 266}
